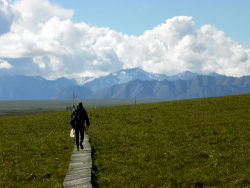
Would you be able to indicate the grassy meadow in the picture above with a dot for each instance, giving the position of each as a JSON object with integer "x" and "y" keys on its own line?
{"x": 189, "y": 143}
{"x": 35, "y": 150}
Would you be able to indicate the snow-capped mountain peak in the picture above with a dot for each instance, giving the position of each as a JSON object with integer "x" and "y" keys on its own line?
{"x": 127, "y": 75}
{"x": 123, "y": 76}
{"x": 82, "y": 80}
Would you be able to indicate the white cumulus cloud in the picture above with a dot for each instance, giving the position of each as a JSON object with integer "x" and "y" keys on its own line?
{"x": 6, "y": 16}
{"x": 4, "y": 64}
{"x": 56, "y": 47}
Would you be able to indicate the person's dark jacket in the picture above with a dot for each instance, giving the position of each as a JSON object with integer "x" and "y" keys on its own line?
{"x": 84, "y": 113}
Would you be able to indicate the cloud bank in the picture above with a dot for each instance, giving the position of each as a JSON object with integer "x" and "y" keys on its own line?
{"x": 39, "y": 38}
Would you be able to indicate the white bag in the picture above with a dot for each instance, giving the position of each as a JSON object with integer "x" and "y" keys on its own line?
{"x": 72, "y": 133}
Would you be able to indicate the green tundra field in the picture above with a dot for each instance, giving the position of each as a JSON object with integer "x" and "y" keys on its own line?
{"x": 190, "y": 143}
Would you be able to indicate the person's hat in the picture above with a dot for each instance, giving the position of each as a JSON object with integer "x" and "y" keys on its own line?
{"x": 79, "y": 105}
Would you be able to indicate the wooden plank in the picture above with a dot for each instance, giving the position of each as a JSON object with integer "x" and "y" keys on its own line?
{"x": 80, "y": 167}
{"x": 74, "y": 183}
{"x": 78, "y": 186}
{"x": 79, "y": 174}
{"x": 83, "y": 159}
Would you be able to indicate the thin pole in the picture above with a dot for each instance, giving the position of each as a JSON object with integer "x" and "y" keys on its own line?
{"x": 74, "y": 96}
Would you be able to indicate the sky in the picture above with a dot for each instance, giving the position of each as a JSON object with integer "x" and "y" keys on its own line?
{"x": 92, "y": 38}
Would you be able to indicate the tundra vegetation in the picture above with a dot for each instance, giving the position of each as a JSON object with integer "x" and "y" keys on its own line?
{"x": 35, "y": 149}
{"x": 189, "y": 143}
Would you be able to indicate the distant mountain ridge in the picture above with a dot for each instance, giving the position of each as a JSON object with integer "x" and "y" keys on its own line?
{"x": 127, "y": 75}
{"x": 189, "y": 75}
{"x": 31, "y": 87}
{"x": 122, "y": 76}
{"x": 126, "y": 83}
{"x": 82, "y": 93}
{"x": 197, "y": 87}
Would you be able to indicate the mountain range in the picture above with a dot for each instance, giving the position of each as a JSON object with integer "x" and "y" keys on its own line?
{"x": 126, "y": 75}
{"x": 197, "y": 87}
{"x": 126, "y": 83}
{"x": 31, "y": 87}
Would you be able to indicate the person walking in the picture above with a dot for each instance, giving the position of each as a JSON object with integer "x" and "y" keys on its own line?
{"x": 78, "y": 119}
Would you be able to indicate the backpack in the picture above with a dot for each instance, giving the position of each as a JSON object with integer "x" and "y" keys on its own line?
{"x": 78, "y": 117}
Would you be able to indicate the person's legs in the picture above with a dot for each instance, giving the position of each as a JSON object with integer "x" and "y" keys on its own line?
{"x": 82, "y": 135}
{"x": 77, "y": 137}
{"x": 85, "y": 127}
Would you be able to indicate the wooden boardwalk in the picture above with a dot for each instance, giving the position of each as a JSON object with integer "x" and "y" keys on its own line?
{"x": 79, "y": 172}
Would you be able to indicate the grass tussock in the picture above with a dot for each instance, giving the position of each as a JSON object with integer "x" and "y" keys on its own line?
{"x": 190, "y": 143}
{"x": 35, "y": 150}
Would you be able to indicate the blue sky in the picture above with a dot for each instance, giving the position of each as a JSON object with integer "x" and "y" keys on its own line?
{"x": 80, "y": 38}
{"x": 133, "y": 17}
